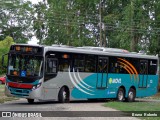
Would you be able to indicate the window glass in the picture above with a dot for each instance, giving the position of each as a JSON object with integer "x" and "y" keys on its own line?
{"x": 153, "y": 67}
{"x": 143, "y": 67}
{"x": 79, "y": 62}
{"x": 64, "y": 65}
{"x": 25, "y": 65}
{"x": 103, "y": 65}
{"x": 51, "y": 66}
{"x": 114, "y": 66}
{"x": 120, "y": 66}
{"x": 90, "y": 63}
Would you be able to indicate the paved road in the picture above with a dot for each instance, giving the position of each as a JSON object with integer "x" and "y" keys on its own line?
{"x": 73, "y": 109}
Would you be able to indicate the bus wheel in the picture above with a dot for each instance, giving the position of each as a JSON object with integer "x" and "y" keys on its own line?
{"x": 131, "y": 95}
{"x": 63, "y": 96}
{"x": 30, "y": 101}
{"x": 120, "y": 95}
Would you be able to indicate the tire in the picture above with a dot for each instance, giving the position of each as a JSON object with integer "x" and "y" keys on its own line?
{"x": 30, "y": 101}
{"x": 120, "y": 95}
{"x": 63, "y": 96}
{"x": 0, "y": 82}
{"x": 131, "y": 95}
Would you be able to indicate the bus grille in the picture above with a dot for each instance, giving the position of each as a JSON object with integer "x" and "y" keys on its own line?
{"x": 19, "y": 92}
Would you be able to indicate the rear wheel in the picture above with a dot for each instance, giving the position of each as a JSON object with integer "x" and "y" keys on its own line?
{"x": 30, "y": 101}
{"x": 63, "y": 96}
{"x": 131, "y": 95}
{"x": 120, "y": 95}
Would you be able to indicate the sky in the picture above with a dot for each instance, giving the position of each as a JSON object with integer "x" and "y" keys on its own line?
{"x": 35, "y": 1}
{"x": 33, "y": 41}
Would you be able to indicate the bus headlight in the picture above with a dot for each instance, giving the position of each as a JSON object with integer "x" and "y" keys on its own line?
{"x": 36, "y": 86}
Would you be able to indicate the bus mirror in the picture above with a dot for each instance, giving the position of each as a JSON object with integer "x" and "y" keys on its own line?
{"x": 4, "y": 58}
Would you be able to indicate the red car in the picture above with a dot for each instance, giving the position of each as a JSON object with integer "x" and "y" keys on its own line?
{"x": 2, "y": 79}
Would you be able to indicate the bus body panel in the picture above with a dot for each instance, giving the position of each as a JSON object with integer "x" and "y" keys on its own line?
{"x": 17, "y": 90}
{"x": 83, "y": 84}
{"x": 87, "y": 87}
{"x": 114, "y": 82}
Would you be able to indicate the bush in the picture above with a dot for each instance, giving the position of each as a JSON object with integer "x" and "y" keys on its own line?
{"x": 4, "y": 48}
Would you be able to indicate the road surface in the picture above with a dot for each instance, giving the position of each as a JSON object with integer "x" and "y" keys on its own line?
{"x": 76, "y": 110}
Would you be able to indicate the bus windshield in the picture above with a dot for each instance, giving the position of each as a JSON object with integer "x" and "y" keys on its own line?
{"x": 25, "y": 65}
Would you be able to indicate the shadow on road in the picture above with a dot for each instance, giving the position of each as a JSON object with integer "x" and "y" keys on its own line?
{"x": 24, "y": 102}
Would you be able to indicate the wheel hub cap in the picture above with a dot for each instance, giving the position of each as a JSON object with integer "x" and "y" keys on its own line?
{"x": 120, "y": 95}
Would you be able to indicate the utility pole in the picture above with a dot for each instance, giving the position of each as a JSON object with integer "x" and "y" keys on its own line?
{"x": 100, "y": 20}
{"x": 133, "y": 42}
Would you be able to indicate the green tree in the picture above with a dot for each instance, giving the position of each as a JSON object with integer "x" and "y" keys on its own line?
{"x": 15, "y": 20}
{"x": 128, "y": 24}
{"x": 4, "y": 48}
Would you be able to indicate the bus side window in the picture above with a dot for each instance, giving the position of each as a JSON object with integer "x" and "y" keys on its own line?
{"x": 90, "y": 63}
{"x": 64, "y": 65}
{"x": 50, "y": 68}
{"x": 152, "y": 67}
{"x": 79, "y": 63}
{"x": 113, "y": 65}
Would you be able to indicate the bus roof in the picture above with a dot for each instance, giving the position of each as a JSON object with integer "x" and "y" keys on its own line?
{"x": 93, "y": 50}
{"x": 99, "y": 51}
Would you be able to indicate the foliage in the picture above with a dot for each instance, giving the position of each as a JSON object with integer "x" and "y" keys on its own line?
{"x": 4, "y": 48}
{"x": 16, "y": 18}
{"x": 128, "y": 24}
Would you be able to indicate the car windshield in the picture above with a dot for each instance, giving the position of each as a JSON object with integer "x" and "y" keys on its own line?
{"x": 25, "y": 65}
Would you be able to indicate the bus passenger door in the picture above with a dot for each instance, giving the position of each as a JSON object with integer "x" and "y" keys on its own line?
{"x": 143, "y": 75}
{"x": 102, "y": 73}
{"x": 51, "y": 69}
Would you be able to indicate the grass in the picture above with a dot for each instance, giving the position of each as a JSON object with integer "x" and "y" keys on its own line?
{"x": 4, "y": 98}
{"x": 134, "y": 106}
{"x": 137, "y": 107}
{"x": 1, "y": 87}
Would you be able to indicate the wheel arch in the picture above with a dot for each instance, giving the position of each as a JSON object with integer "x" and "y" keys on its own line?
{"x": 122, "y": 88}
{"x": 133, "y": 87}
{"x": 131, "y": 94}
{"x": 66, "y": 88}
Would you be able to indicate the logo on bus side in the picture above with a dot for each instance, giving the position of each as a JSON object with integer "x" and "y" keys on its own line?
{"x": 114, "y": 80}
{"x": 129, "y": 67}
{"x": 79, "y": 83}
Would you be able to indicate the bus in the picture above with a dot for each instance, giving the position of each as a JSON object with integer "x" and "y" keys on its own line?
{"x": 65, "y": 73}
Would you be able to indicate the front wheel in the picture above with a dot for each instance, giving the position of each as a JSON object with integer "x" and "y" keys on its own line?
{"x": 63, "y": 96}
{"x": 131, "y": 95}
{"x": 30, "y": 101}
{"x": 120, "y": 95}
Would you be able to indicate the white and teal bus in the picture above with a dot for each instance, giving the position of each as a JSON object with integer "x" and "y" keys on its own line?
{"x": 66, "y": 73}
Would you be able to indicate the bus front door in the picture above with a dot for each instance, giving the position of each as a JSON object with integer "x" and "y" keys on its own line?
{"x": 143, "y": 77}
{"x": 102, "y": 73}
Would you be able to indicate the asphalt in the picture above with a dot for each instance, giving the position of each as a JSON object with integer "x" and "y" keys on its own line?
{"x": 49, "y": 110}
